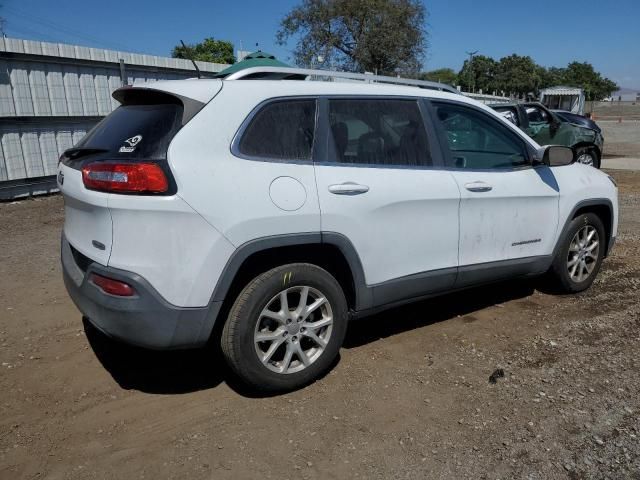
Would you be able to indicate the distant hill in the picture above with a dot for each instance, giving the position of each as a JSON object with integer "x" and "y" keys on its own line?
{"x": 626, "y": 91}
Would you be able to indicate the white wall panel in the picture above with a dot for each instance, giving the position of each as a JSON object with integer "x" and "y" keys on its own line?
{"x": 64, "y": 138}
{"x": 114, "y": 84}
{"x": 97, "y": 54}
{"x": 21, "y": 89}
{"x": 72, "y": 90}
{"x": 66, "y": 50}
{"x": 7, "y": 108}
{"x": 78, "y": 132}
{"x": 3, "y": 165}
{"x": 88, "y": 92}
{"x": 31, "y": 153}
{"x": 14, "y": 45}
{"x": 39, "y": 89}
{"x": 83, "y": 53}
{"x": 103, "y": 92}
{"x": 32, "y": 47}
{"x": 111, "y": 56}
{"x": 12, "y": 149}
{"x": 57, "y": 95}
{"x": 50, "y": 49}
{"x": 48, "y": 150}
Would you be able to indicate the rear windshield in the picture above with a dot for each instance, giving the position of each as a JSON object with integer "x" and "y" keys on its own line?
{"x": 136, "y": 131}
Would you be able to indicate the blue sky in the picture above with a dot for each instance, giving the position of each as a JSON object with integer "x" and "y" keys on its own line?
{"x": 607, "y": 34}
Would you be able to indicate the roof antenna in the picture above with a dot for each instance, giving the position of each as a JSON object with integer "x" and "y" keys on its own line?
{"x": 188, "y": 51}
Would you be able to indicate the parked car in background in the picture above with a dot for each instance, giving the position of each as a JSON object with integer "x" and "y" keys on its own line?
{"x": 549, "y": 128}
{"x": 577, "y": 119}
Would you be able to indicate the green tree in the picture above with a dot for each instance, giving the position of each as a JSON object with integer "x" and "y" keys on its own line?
{"x": 383, "y": 36}
{"x": 583, "y": 75}
{"x": 442, "y": 75}
{"x": 479, "y": 73}
{"x": 551, "y": 76}
{"x": 209, "y": 50}
{"x": 518, "y": 75}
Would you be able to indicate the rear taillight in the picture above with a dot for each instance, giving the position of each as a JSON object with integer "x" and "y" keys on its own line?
{"x": 111, "y": 286}
{"x": 125, "y": 177}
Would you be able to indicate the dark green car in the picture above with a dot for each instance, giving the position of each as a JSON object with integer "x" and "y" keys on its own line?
{"x": 547, "y": 128}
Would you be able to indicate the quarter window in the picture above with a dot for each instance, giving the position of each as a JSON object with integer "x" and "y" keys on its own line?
{"x": 378, "y": 132}
{"x": 282, "y": 130}
{"x": 477, "y": 141}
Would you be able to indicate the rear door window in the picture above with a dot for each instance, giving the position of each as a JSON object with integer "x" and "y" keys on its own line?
{"x": 378, "y": 132}
{"x": 135, "y": 132}
{"x": 281, "y": 130}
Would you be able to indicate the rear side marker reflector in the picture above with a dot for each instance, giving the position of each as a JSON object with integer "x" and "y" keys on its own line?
{"x": 125, "y": 177}
{"x": 111, "y": 286}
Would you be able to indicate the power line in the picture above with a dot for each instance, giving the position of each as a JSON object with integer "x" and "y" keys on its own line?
{"x": 31, "y": 33}
{"x": 65, "y": 30}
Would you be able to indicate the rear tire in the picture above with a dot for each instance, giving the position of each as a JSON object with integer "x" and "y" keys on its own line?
{"x": 286, "y": 328}
{"x": 588, "y": 156}
{"x": 580, "y": 254}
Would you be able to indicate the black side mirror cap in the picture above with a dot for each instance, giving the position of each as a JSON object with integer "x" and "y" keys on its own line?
{"x": 555, "y": 155}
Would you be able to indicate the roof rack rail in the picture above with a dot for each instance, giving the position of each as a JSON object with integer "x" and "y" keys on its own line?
{"x": 286, "y": 73}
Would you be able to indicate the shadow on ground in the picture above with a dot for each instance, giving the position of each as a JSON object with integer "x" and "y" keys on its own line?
{"x": 174, "y": 372}
{"x": 434, "y": 310}
{"x": 164, "y": 372}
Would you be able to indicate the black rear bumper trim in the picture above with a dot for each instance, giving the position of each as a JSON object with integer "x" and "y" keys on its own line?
{"x": 146, "y": 319}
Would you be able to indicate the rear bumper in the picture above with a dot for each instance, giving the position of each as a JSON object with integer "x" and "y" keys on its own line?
{"x": 145, "y": 319}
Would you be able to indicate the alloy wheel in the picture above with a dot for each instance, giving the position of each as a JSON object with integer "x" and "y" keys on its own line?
{"x": 293, "y": 330}
{"x": 586, "y": 159}
{"x": 583, "y": 253}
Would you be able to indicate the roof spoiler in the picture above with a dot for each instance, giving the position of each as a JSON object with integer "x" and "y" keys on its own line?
{"x": 134, "y": 95}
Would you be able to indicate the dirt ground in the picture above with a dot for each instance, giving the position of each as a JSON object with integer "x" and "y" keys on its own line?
{"x": 409, "y": 397}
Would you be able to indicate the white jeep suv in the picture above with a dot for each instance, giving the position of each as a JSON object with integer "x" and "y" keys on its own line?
{"x": 263, "y": 214}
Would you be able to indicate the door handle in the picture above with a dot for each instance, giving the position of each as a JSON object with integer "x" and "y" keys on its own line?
{"x": 348, "y": 188}
{"x": 478, "y": 187}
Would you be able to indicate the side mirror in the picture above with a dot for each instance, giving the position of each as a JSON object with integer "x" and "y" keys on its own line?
{"x": 555, "y": 155}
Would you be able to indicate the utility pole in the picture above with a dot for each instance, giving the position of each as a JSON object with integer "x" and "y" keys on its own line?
{"x": 472, "y": 82}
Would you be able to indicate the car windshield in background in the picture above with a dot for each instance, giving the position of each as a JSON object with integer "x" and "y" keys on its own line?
{"x": 136, "y": 131}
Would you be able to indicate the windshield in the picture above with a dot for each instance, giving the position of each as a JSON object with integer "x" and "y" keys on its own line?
{"x": 135, "y": 131}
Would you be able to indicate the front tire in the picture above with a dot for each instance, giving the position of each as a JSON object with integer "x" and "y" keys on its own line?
{"x": 580, "y": 254}
{"x": 286, "y": 327}
{"x": 588, "y": 156}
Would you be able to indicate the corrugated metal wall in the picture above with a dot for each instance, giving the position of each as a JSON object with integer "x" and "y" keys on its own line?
{"x": 29, "y": 150}
{"x": 52, "y": 93}
{"x": 53, "y": 89}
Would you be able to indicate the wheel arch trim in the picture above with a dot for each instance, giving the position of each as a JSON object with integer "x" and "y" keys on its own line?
{"x": 594, "y": 202}
{"x": 342, "y": 243}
